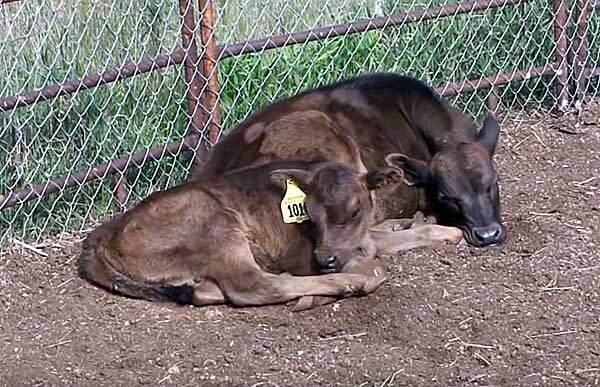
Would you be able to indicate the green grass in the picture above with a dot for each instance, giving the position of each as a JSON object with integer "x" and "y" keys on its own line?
{"x": 42, "y": 43}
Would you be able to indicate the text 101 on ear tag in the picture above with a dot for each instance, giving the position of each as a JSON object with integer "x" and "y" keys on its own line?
{"x": 293, "y": 204}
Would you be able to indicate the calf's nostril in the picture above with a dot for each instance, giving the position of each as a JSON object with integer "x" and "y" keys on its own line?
{"x": 479, "y": 235}
{"x": 331, "y": 261}
{"x": 487, "y": 235}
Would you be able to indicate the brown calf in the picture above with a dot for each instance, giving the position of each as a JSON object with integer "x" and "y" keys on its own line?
{"x": 224, "y": 240}
{"x": 447, "y": 161}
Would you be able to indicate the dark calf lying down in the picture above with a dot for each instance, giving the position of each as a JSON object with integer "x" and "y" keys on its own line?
{"x": 224, "y": 239}
{"x": 446, "y": 157}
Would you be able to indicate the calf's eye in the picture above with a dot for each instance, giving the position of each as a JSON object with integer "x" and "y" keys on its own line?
{"x": 450, "y": 202}
{"x": 354, "y": 216}
{"x": 445, "y": 198}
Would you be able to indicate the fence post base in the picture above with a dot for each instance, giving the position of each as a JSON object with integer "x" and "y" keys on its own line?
{"x": 580, "y": 52}
{"x": 560, "y": 22}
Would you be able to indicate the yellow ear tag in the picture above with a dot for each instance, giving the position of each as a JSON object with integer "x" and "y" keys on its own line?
{"x": 293, "y": 204}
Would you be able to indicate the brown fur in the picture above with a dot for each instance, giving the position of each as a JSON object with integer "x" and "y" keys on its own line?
{"x": 361, "y": 120}
{"x": 223, "y": 239}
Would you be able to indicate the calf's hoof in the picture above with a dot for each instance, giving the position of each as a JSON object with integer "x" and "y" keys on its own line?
{"x": 440, "y": 234}
{"x": 373, "y": 283}
{"x": 454, "y": 235}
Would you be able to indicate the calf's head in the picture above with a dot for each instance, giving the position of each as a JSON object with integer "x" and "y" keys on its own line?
{"x": 461, "y": 185}
{"x": 339, "y": 205}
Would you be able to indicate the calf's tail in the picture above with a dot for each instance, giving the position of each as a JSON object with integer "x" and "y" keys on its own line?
{"x": 96, "y": 268}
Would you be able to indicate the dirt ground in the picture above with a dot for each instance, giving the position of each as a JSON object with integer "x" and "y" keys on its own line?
{"x": 526, "y": 313}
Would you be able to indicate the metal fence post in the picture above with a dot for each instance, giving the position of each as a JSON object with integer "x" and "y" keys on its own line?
{"x": 493, "y": 100}
{"x": 121, "y": 192}
{"x": 560, "y": 21}
{"x": 194, "y": 80}
{"x": 210, "y": 98}
{"x": 580, "y": 50}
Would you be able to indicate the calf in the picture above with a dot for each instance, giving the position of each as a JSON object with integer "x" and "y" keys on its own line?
{"x": 447, "y": 161}
{"x": 224, "y": 239}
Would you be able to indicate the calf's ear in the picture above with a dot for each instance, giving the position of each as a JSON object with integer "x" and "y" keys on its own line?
{"x": 301, "y": 177}
{"x": 488, "y": 134}
{"x": 382, "y": 177}
{"x": 416, "y": 172}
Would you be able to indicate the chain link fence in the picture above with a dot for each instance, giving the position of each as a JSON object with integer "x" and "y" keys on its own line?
{"x": 102, "y": 103}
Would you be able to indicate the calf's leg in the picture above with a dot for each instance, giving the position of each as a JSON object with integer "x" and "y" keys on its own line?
{"x": 366, "y": 266}
{"x": 391, "y": 242}
{"x": 207, "y": 292}
{"x": 245, "y": 283}
{"x": 266, "y": 288}
{"x": 233, "y": 267}
{"x": 404, "y": 223}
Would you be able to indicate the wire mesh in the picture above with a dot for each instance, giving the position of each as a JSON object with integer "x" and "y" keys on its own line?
{"x": 46, "y": 42}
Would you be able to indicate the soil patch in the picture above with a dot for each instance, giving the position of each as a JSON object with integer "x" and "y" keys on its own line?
{"x": 525, "y": 313}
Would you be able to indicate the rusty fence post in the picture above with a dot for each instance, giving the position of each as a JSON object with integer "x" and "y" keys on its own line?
{"x": 194, "y": 81}
{"x": 493, "y": 100}
{"x": 121, "y": 192}
{"x": 210, "y": 98}
{"x": 580, "y": 51}
{"x": 560, "y": 21}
